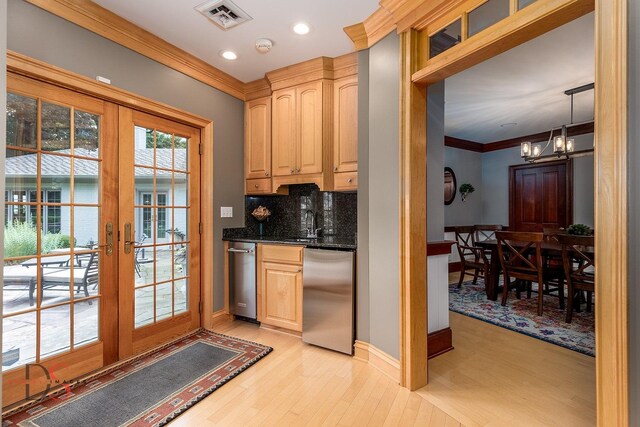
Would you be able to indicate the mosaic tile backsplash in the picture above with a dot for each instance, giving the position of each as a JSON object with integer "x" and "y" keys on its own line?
{"x": 335, "y": 213}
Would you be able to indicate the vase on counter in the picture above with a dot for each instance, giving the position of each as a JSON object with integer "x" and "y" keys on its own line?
{"x": 261, "y": 214}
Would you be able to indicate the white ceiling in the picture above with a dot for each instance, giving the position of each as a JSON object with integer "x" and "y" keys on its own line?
{"x": 524, "y": 85}
{"x": 177, "y": 22}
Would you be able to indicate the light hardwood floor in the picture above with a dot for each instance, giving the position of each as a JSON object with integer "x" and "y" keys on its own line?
{"x": 302, "y": 385}
{"x": 494, "y": 377}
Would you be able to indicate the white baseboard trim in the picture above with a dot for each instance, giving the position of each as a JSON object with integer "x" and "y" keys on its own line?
{"x": 377, "y": 358}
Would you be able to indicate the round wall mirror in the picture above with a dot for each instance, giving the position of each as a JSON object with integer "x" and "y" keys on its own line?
{"x": 450, "y": 186}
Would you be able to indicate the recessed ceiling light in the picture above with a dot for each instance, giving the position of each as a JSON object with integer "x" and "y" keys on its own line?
{"x": 301, "y": 28}
{"x": 508, "y": 125}
{"x": 228, "y": 55}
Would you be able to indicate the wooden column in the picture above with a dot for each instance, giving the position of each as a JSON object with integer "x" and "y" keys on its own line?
{"x": 413, "y": 220}
{"x": 611, "y": 213}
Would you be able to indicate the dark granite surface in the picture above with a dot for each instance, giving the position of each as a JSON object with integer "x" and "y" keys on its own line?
{"x": 335, "y": 214}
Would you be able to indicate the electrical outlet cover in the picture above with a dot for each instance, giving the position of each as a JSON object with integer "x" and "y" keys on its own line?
{"x": 226, "y": 212}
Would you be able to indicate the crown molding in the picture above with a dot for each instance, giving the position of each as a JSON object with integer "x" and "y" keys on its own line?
{"x": 105, "y": 23}
{"x": 257, "y": 89}
{"x": 397, "y": 15}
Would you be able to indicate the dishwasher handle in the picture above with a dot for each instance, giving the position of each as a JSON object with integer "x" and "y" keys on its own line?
{"x": 240, "y": 251}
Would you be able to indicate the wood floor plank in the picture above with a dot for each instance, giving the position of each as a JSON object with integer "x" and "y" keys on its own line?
{"x": 474, "y": 385}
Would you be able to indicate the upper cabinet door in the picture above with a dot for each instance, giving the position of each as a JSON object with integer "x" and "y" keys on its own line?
{"x": 345, "y": 125}
{"x": 309, "y": 158}
{"x": 283, "y": 152}
{"x": 257, "y": 143}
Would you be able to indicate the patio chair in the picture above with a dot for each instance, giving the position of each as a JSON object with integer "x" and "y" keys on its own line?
{"x": 83, "y": 276}
{"x": 20, "y": 278}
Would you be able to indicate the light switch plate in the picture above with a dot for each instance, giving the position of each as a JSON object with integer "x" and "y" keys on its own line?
{"x": 226, "y": 212}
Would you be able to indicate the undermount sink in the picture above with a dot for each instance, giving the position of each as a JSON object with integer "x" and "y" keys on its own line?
{"x": 301, "y": 239}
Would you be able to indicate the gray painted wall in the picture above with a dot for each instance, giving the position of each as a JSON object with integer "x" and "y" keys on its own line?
{"x": 495, "y": 183}
{"x": 41, "y": 35}
{"x": 435, "y": 161}
{"x": 467, "y": 166}
{"x": 3, "y": 124}
{"x": 384, "y": 195}
{"x": 362, "y": 291}
{"x": 634, "y": 213}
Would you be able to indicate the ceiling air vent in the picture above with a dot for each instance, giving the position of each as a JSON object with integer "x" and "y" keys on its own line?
{"x": 225, "y": 14}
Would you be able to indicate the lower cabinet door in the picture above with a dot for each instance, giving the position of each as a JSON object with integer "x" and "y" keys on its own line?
{"x": 282, "y": 296}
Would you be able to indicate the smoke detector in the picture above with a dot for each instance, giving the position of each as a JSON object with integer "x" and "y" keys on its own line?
{"x": 264, "y": 45}
{"x": 224, "y": 13}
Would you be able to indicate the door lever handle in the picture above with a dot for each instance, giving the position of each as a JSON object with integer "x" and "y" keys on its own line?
{"x": 109, "y": 246}
{"x": 127, "y": 238}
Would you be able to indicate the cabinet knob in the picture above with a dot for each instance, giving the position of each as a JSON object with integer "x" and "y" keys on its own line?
{"x": 297, "y": 170}
{"x": 291, "y": 170}
{"x": 299, "y": 270}
{"x": 256, "y": 185}
{"x": 335, "y": 169}
{"x": 350, "y": 180}
{"x": 266, "y": 174}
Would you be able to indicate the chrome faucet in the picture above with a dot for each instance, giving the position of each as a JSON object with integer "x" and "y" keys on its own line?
{"x": 312, "y": 231}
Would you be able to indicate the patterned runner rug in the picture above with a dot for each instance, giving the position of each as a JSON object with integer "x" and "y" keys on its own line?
{"x": 521, "y": 316}
{"x": 150, "y": 390}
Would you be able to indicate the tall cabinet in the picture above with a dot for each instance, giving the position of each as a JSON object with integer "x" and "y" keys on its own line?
{"x": 313, "y": 128}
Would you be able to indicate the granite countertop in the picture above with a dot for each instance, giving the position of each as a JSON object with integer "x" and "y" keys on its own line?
{"x": 326, "y": 242}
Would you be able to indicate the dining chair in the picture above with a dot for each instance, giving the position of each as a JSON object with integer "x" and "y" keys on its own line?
{"x": 553, "y": 266}
{"x": 521, "y": 259}
{"x": 579, "y": 267}
{"x": 486, "y": 232}
{"x": 473, "y": 260}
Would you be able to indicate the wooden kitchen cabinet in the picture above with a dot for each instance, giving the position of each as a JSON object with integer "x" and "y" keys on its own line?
{"x": 280, "y": 286}
{"x": 345, "y": 125}
{"x": 298, "y": 130}
{"x": 282, "y": 296}
{"x": 257, "y": 143}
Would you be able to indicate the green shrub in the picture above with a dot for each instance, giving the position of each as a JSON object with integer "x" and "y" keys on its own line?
{"x": 21, "y": 239}
{"x": 580, "y": 230}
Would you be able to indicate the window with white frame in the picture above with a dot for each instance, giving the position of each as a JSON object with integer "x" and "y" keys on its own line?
{"x": 25, "y": 213}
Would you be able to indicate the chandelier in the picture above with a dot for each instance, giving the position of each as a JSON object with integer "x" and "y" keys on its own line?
{"x": 562, "y": 145}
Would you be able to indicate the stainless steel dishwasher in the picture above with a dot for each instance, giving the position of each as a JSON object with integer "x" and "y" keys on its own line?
{"x": 328, "y": 299}
{"x": 242, "y": 279}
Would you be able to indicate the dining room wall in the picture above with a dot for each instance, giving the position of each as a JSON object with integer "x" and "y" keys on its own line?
{"x": 495, "y": 183}
{"x": 435, "y": 162}
{"x": 467, "y": 167}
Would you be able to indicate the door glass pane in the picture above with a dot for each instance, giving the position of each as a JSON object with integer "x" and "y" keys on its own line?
{"x": 524, "y": 3}
{"x": 85, "y": 181}
{"x": 144, "y": 298}
{"x": 85, "y": 322}
{"x": 445, "y": 39}
{"x": 56, "y": 127}
{"x": 488, "y": 14}
{"x": 164, "y": 263}
{"x": 22, "y": 121}
{"x": 158, "y": 190}
{"x": 43, "y": 227}
{"x": 180, "y": 296}
{"x": 18, "y": 340}
{"x": 164, "y": 301}
{"x": 55, "y": 229}
{"x": 144, "y": 265}
{"x": 143, "y": 139}
{"x": 54, "y": 330}
{"x": 180, "y": 153}
{"x": 87, "y": 134}
{"x": 86, "y": 227}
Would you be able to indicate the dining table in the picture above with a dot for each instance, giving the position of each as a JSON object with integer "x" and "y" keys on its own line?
{"x": 549, "y": 248}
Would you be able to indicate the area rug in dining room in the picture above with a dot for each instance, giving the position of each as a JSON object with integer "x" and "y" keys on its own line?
{"x": 521, "y": 316}
{"x": 150, "y": 390}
